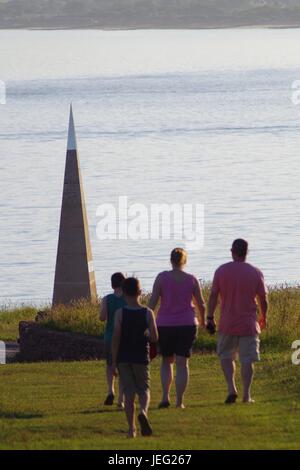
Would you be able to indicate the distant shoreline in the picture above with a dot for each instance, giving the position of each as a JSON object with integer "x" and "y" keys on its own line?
{"x": 123, "y": 15}
{"x": 146, "y": 28}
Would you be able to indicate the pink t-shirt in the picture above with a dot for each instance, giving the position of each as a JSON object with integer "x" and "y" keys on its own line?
{"x": 239, "y": 283}
{"x": 176, "y": 305}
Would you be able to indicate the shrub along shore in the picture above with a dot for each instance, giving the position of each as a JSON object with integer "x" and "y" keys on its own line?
{"x": 82, "y": 317}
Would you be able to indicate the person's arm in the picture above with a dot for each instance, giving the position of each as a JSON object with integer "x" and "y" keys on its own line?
{"x": 200, "y": 302}
{"x": 103, "y": 309}
{"x": 155, "y": 294}
{"x": 212, "y": 304}
{"x": 213, "y": 300}
{"x": 116, "y": 338}
{"x": 262, "y": 294}
{"x": 153, "y": 333}
{"x": 264, "y": 305}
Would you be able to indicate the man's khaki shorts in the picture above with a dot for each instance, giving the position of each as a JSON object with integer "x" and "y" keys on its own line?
{"x": 247, "y": 347}
{"x": 135, "y": 378}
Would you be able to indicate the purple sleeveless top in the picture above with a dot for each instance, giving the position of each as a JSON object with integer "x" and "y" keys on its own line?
{"x": 176, "y": 303}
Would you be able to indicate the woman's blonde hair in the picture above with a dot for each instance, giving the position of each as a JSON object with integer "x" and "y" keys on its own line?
{"x": 179, "y": 256}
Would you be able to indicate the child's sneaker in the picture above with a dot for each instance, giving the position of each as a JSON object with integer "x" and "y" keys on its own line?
{"x": 146, "y": 429}
{"x": 109, "y": 399}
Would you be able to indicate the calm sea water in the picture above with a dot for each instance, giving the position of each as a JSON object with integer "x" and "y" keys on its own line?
{"x": 162, "y": 117}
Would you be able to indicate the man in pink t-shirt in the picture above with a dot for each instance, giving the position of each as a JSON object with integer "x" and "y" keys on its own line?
{"x": 239, "y": 285}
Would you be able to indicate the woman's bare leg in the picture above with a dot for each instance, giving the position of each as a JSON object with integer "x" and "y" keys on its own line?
{"x": 166, "y": 373}
{"x": 182, "y": 379}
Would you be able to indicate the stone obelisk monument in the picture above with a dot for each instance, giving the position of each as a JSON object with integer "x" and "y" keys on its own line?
{"x": 74, "y": 273}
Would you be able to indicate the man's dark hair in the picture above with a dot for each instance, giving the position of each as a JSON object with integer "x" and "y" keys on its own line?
{"x": 240, "y": 247}
{"x": 117, "y": 280}
{"x": 131, "y": 287}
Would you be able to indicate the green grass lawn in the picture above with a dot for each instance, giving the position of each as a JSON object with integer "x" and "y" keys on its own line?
{"x": 59, "y": 406}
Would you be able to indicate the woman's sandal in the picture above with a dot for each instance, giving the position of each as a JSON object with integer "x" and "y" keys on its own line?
{"x": 231, "y": 398}
{"x": 164, "y": 404}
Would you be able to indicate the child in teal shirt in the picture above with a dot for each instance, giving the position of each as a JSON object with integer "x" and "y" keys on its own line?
{"x": 110, "y": 304}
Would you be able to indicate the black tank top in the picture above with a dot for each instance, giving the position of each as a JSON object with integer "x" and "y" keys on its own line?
{"x": 134, "y": 341}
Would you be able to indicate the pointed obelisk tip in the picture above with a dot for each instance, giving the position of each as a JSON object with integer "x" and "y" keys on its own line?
{"x": 71, "y": 133}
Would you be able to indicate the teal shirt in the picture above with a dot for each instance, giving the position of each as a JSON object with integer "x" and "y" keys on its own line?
{"x": 113, "y": 304}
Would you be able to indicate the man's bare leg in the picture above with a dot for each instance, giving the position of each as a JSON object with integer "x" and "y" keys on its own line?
{"x": 247, "y": 372}
{"x": 229, "y": 368}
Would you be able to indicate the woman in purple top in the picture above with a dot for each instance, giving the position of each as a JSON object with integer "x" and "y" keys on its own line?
{"x": 177, "y": 323}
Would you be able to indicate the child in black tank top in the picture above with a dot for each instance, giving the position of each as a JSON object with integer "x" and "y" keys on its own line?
{"x": 134, "y": 329}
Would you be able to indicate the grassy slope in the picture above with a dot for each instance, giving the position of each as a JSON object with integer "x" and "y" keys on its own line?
{"x": 58, "y": 406}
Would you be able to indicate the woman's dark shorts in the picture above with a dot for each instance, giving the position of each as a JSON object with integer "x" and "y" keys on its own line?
{"x": 177, "y": 340}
